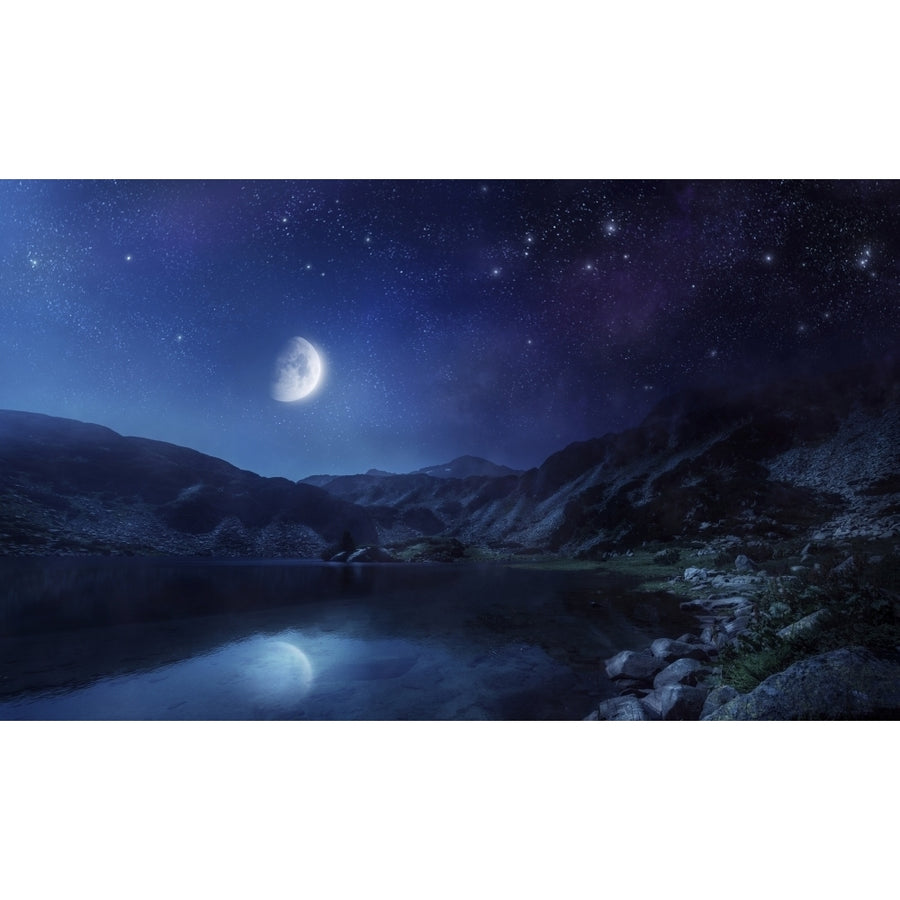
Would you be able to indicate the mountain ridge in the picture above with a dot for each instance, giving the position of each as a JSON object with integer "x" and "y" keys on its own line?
{"x": 701, "y": 463}
{"x": 780, "y": 460}
{"x": 67, "y": 485}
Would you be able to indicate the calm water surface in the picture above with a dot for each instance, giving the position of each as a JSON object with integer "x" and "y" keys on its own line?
{"x": 189, "y": 639}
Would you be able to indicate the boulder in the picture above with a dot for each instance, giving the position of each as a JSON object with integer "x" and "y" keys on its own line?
{"x": 723, "y": 639}
{"x": 713, "y": 604}
{"x": 718, "y": 697}
{"x": 370, "y": 554}
{"x": 682, "y": 671}
{"x": 681, "y": 701}
{"x": 708, "y": 635}
{"x": 668, "y": 650}
{"x": 737, "y": 625}
{"x": 846, "y": 569}
{"x": 623, "y": 709}
{"x": 652, "y": 704}
{"x": 641, "y": 666}
{"x": 690, "y": 639}
{"x": 692, "y": 573}
{"x": 744, "y": 564}
{"x": 804, "y": 624}
{"x": 850, "y": 683}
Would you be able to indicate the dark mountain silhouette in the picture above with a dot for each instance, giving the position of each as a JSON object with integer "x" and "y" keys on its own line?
{"x": 776, "y": 461}
{"x": 66, "y": 485}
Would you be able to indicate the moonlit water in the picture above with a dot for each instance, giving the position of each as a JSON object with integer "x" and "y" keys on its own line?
{"x": 135, "y": 639}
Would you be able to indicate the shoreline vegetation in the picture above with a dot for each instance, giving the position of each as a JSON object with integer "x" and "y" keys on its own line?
{"x": 804, "y": 631}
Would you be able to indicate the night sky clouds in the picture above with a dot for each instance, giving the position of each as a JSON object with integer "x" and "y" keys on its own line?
{"x": 504, "y": 319}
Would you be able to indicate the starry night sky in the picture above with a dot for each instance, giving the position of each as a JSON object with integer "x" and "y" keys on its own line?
{"x": 500, "y": 319}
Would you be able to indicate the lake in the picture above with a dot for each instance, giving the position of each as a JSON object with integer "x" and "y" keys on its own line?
{"x": 151, "y": 639}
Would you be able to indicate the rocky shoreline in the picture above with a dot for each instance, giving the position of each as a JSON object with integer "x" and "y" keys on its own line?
{"x": 681, "y": 679}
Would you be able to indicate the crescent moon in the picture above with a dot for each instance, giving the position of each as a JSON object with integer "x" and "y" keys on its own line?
{"x": 298, "y": 370}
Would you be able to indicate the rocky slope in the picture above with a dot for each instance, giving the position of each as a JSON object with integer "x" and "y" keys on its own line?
{"x": 67, "y": 486}
{"x": 797, "y": 457}
{"x": 406, "y": 507}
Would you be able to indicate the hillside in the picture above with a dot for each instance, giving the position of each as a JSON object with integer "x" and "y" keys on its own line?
{"x": 67, "y": 486}
{"x": 779, "y": 461}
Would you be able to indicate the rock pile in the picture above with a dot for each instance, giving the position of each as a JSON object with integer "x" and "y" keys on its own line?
{"x": 674, "y": 679}
{"x": 678, "y": 679}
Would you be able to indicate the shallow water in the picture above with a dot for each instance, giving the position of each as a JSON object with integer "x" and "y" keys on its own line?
{"x": 189, "y": 639}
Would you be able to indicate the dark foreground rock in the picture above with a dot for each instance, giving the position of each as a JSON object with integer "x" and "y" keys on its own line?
{"x": 623, "y": 709}
{"x": 718, "y": 697}
{"x": 681, "y": 701}
{"x": 668, "y": 650}
{"x": 849, "y": 683}
{"x": 634, "y": 665}
{"x": 682, "y": 671}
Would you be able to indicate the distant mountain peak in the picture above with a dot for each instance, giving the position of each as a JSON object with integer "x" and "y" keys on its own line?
{"x": 466, "y": 467}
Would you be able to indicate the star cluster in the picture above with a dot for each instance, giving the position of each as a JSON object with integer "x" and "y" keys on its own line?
{"x": 502, "y": 319}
